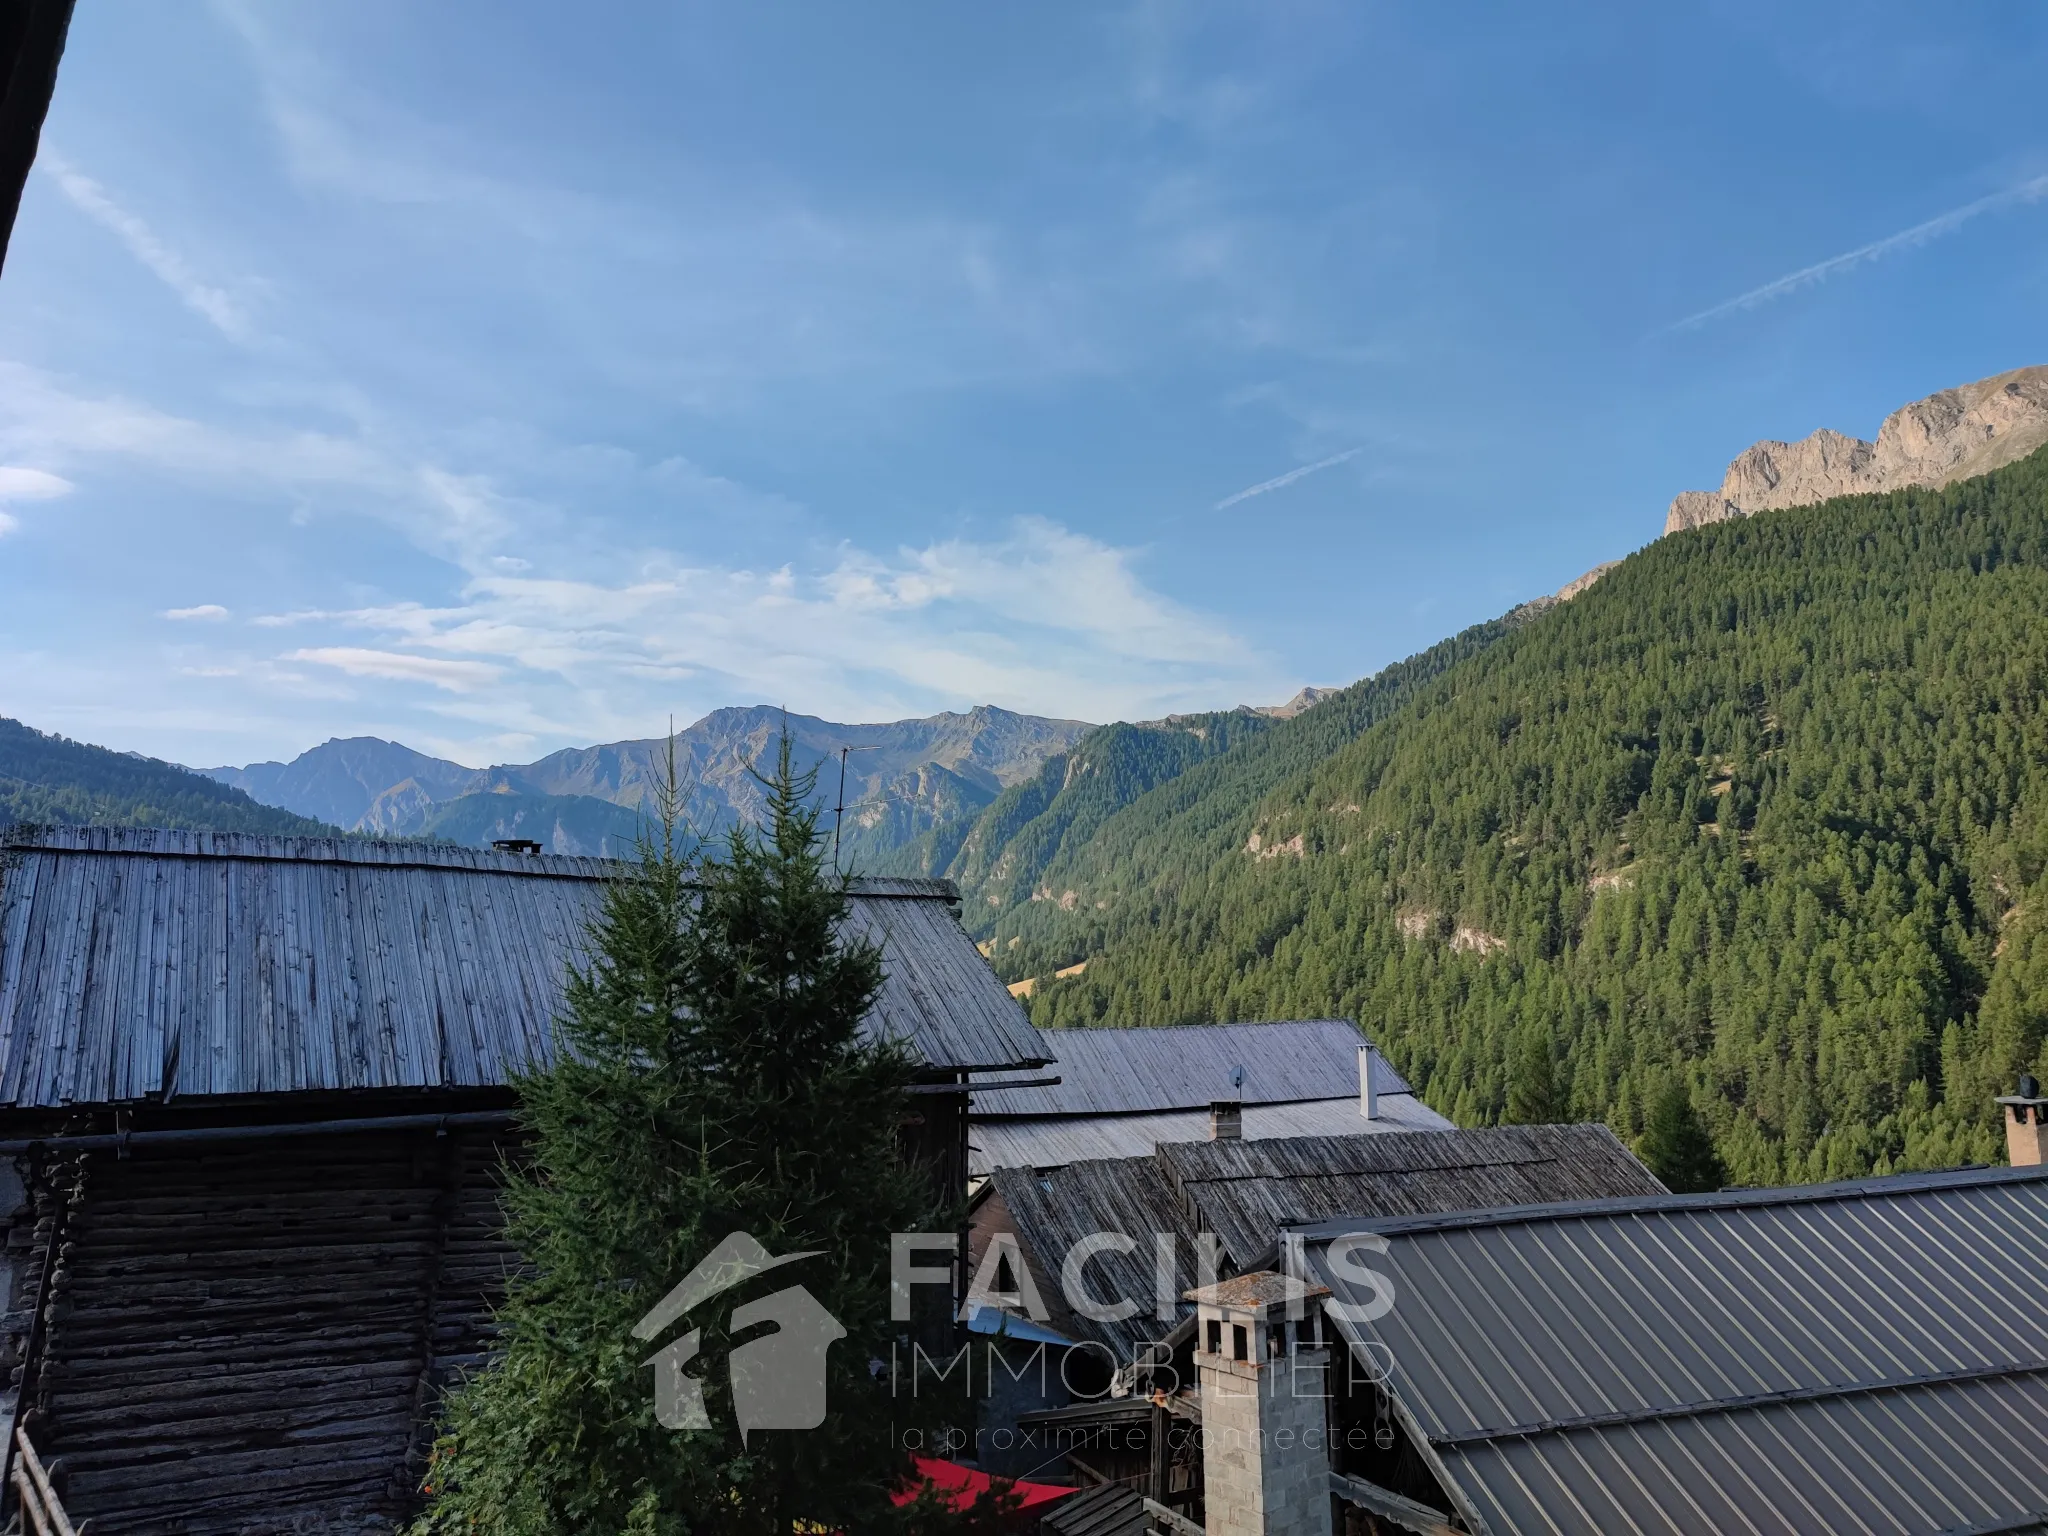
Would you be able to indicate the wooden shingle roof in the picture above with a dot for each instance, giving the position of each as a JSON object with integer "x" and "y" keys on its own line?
{"x": 143, "y": 964}
{"x": 1244, "y": 1193}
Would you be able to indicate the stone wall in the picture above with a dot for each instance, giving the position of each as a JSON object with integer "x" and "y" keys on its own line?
{"x": 1265, "y": 1438}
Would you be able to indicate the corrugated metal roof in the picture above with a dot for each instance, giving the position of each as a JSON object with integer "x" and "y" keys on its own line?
{"x": 1188, "y": 1066}
{"x": 1245, "y": 1193}
{"x": 1867, "y": 1357}
{"x": 1000, "y": 1141}
{"x": 137, "y": 964}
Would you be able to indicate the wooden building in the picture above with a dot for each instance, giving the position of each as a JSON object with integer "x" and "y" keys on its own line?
{"x": 1230, "y": 1199}
{"x": 253, "y": 1098}
{"x": 1122, "y": 1092}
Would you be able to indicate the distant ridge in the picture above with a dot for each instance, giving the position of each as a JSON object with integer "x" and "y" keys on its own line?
{"x": 50, "y": 779}
{"x": 902, "y": 778}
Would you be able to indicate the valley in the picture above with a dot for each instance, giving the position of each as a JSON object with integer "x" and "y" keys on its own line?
{"x": 1761, "y": 809}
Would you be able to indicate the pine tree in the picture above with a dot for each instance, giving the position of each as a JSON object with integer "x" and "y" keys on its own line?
{"x": 711, "y": 1079}
{"x": 1676, "y": 1145}
{"x": 1532, "y": 1080}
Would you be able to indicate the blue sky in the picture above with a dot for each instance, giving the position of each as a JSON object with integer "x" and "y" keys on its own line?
{"x": 460, "y": 374}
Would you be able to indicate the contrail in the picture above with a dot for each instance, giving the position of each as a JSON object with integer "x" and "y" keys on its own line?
{"x": 1877, "y": 250}
{"x": 1289, "y": 478}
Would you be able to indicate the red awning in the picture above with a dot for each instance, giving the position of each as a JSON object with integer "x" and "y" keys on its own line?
{"x": 964, "y": 1485}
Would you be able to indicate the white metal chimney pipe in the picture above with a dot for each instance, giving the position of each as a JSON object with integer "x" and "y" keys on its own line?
{"x": 1368, "y": 1091}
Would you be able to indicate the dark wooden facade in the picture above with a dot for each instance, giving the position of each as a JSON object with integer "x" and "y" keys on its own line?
{"x": 254, "y": 1095}
{"x": 252, "y": 1334}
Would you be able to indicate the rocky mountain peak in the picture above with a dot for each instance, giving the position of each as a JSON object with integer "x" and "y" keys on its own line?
{"x": 1308, "y": 698}
{"x": 1946, "y": 437}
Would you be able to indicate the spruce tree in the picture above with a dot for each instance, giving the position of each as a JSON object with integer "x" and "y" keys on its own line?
{"x": 1532, "y": 1080}
{"x": 711, "y": 1079}
{"x": 1676, "y": 1146}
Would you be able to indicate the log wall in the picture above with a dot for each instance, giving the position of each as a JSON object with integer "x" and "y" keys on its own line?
{"x": 254, "y": 1336}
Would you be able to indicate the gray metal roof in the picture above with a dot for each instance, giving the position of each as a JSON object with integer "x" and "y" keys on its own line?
{"x": 1865, "y": 1357}
{"x": 1188, "y": 1066}
{"x": 138, "y": 964}
{"x": 1245, "y": 1193}
{"x": 1050, "y": 1141}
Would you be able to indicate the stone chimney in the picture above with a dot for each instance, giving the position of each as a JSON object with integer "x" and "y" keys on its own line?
{"x": 1368, "y": 1090}
{"x": 2026, "y": 1136}
{"x": 1226, "y": 1120}
{"x": 1265, "y": 1374}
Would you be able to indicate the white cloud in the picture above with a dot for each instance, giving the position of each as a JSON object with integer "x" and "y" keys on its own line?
{"x": 1044, "y": 620}
{"x": 211, "y": 612}
{"x": 1040, "y": 618}
{"x": 8, "y": 524}
{"x": 20, "y": 483}
{"x": 370, "y": 473}
{"x": 397, "y": 666}
{"x": 214, "y": 304}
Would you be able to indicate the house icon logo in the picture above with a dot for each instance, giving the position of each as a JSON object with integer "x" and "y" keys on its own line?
{"x": 778, "y": 1380}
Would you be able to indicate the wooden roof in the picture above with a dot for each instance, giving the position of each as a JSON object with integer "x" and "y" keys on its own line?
{"x": 1245, "y": 1192}
{"x": 1189, "y": 1066}
{"x": 144, "y": 964}
{"x": 1051, "y": 1141}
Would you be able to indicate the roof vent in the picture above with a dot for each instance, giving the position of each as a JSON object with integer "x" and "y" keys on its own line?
{"x": 515, "y": 845}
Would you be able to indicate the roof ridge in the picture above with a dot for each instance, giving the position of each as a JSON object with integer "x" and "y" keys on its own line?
{"x": 1165, "y": 1029}
{"x": 1657, "y": 1205}
{"x": 375, "y": 853}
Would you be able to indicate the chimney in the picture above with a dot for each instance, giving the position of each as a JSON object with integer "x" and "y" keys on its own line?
{"x": 1368, "y": 1090}
{"x": 2026, "y": 1137}
{"x": 1226, "y": 1120}
{"x": 1265, "y": 1374}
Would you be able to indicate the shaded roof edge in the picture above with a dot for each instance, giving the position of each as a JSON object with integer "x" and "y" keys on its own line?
{"x": 375, "y": 853}
{"x": 998, "y": 1117}
{"x": 1653, "y": 1205}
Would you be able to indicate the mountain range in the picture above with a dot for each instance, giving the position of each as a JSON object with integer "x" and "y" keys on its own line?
{"x": 906, "y": 781}
{"x": 1761, "y": 810}
{"x": 900, "y": 778}
{"x": 1764, "y": 811}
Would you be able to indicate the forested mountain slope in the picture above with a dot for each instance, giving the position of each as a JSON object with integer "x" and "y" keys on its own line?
{"x": 997, "y": 852}
{"x": 51, "y": 779}
{"x": 1125, "y": 861}
{"x": 1765, "y": 810}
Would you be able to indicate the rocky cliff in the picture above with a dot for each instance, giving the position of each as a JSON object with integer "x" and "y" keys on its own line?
{"x": 1930, "y": 443}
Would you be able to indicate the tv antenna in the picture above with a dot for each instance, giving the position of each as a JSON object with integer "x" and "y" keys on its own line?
{"x": 839, "y": 810}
